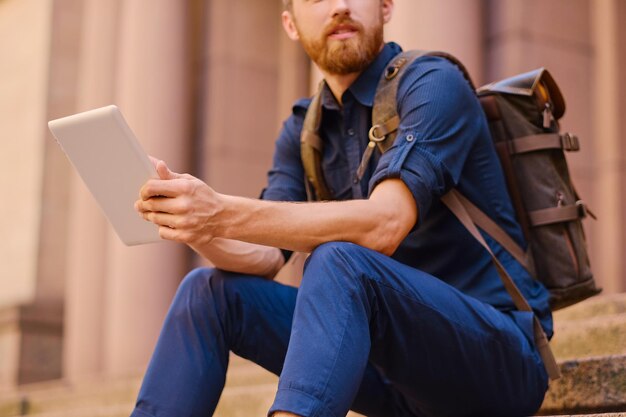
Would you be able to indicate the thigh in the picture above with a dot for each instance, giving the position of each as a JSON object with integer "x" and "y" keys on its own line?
{"x": 447, "y": 353}
{"x": 442, "y": 353}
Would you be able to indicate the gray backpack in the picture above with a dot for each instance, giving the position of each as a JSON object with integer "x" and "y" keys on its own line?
{"x": 523, "y": 114}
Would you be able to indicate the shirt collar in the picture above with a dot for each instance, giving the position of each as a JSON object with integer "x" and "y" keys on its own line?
{"x": 364, "y": 87}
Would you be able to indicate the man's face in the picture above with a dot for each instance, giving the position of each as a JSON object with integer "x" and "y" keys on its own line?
{"x": 340, "y": 36}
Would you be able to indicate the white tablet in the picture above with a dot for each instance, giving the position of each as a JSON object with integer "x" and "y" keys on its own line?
{"x": 112, "y": 164}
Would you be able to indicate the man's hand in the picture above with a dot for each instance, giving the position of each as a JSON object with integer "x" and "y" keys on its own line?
{"x": 184, "y": 207}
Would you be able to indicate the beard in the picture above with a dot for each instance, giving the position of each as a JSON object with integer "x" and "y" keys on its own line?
{"x": 345, "y": 56}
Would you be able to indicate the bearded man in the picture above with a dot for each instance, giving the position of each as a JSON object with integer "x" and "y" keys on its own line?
{"x": 400, "y": 312}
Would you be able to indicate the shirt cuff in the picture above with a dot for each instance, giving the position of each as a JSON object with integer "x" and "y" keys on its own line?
{"x": 416, "y": 167}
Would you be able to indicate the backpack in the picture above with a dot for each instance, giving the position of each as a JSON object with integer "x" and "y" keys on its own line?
{"x": 522, "y": 113}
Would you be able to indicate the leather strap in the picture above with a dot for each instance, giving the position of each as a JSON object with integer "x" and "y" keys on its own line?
{"x": 556, "y": 214}
{"x": 385, "y": 113}
{"x": 483, "y": 221}
{"x": 525, "y": 144}
{"x": 452, "y": 201}
{"x": 311, "y": 150}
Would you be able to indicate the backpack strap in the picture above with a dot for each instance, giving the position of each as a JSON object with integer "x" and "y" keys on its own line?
{"x": 385, "y": 119}
{"x": 455, "y": 202}
{"x": 311, "y": 150}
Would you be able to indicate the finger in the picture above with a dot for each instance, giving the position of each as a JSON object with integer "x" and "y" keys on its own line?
{"x": 174, "y": 235}
{"x": 161, "y": 219}
{"x": 154, "y": 160}
{"x": 164, "y": 188}
{"x": 163, "y": 205}
{"x": 167, "y": 233}
{"x": 139, "y": 207}
{"x": 165, "y": 173}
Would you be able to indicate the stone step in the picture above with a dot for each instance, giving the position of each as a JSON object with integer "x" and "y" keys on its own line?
{"x": 117, "y": 410}
{"x": 249, "y": 391}
{"x": 61, "y": 396}
{"x": 594, "y": 336}
{"x": 598, "y": 306}
{"x": 595, "y": 327}
{"x": 591, "y": 385}
{"x": 594, "y": 415}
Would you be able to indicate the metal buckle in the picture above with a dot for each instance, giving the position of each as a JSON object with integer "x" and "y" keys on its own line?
{"x": 372, "y": 134}
{"x": 392, "y": 72}
{"x": 570, "y": 142}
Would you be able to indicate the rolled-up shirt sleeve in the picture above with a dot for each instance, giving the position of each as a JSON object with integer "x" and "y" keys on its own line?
{"x": 440, "y": 118}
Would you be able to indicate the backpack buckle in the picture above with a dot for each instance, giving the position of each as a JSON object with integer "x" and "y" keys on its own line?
{"x": 373, "y": 134}
{"x": 394, "y": 69}
{"x": 570, "y": 142}
{"x": 392, "y": 72}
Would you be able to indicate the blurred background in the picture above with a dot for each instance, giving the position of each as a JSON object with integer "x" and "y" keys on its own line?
{"x": 205, "y": 85}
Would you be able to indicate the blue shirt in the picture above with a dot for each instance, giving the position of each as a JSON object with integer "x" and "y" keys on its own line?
{"x": 443, "y": 142}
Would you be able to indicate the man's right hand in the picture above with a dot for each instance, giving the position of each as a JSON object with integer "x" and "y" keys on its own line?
{"x": 185, "y": 196}
{"x": 184, "y": 207}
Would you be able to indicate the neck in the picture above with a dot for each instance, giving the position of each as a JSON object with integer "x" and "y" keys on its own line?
{"x": 338, "y": 84}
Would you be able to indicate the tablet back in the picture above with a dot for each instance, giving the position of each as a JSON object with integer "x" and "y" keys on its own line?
{"x": 112, "y": 164}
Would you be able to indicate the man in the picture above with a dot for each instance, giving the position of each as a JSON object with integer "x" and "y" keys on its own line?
{"x": 400, "y": 312}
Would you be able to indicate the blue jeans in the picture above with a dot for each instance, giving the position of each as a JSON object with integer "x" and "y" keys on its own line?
{"x": 363, "y": 332}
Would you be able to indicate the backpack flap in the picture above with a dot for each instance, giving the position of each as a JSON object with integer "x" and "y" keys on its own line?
{"x": 538, "y": 85}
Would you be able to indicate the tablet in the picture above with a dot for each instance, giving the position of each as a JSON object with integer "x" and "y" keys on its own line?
{"x": 110, "y": 160}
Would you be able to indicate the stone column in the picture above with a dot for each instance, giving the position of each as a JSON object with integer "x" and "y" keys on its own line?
{"x": 41, "y": 319}
{"x": 241, "y": 94}
{"x": 454, "y": 26}
{"x": 87, "y": 248}
{"x": 609, "y": 173}
{"x": 152, "y": 93}
{"x": 23, "y": 111}
{"x": 621, "y": 46}
{"x": 293, "y": 74}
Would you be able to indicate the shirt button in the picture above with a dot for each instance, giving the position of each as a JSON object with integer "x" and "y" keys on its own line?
{"x": 351, "y": 132}
{"x": 409, "y": 138}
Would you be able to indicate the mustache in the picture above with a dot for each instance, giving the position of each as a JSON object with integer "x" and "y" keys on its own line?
{"x": 342, "y": 21}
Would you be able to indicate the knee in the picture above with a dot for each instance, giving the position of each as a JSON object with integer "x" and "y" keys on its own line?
{"x": 336, "y": 261}
{"x": 203, "y": 287}
{"x": 336, "y": 254}
{"x": 194, "y": 287}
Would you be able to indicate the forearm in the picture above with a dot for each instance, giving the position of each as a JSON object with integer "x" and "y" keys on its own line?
{"x": 241, "y": 257}
{"x": 189, "y": 211}
{"x": 374, "y": 223}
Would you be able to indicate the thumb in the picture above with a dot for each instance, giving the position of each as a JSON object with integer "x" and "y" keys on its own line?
{"x": 164, "y": 172}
